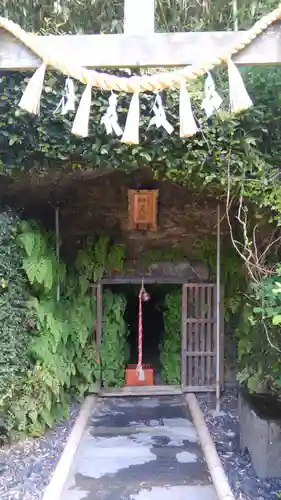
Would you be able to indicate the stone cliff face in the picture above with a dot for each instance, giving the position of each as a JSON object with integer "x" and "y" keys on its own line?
{"x": 92, "y": 203}
{"x": 183, "y": 218}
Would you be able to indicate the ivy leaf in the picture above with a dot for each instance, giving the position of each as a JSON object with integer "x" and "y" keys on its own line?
{"x": 276, "y": 320}
{"x": 258, "y": 310}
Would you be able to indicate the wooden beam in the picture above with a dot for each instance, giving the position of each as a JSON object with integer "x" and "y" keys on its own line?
{"x": 99, "y": 314}
{"x": 146, "y": 390}
{"x": 124, "y": 51}
{"x": 137, "y": 280}
{"x": 138, "y": 17}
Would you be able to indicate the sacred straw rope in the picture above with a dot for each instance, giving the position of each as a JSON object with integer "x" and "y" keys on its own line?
{"x": 137, "y": 84}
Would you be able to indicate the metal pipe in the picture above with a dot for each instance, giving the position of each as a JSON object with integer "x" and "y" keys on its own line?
{"x": 57, "y": 224}
{"x": 218, "y": 300}
{"x": 216, "y": 470}
{"x": 139, "y": 17}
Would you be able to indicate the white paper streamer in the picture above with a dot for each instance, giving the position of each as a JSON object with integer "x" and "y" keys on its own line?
{"x": 238, "y": 95}
{"x": 67, "y": 102}
{"x": 80, "y": 125}
{"x": 212, "y": 101}
{"x": 110, "y": 118}
{"x": 188, "y": 125}
{"x": 31, "y": 97}
{"x": 160, "y": 120}
{"x": 131, "y": 134}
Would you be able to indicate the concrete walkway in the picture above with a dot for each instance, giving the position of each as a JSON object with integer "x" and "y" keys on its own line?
{"x": 139, "y": 449}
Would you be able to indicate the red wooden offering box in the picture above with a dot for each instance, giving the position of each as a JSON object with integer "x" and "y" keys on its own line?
{"x": 131, "y": 378}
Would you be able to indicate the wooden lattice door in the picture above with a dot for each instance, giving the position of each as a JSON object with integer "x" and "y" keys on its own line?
{"x": 198, "y": 362}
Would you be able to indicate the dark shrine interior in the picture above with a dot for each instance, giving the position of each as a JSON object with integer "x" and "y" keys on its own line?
{"x": 152, "y": 323}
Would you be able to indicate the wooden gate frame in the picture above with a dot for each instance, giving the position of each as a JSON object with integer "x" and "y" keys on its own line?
{"x": 97, "y": 327}
{"x": 97, "y": 289}
{"x": 210, "y": 322}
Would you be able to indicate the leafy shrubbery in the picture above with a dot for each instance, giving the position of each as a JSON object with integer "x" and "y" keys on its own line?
{"x": 113, "y": 345}
{"x": 14, "y": 329}
{"x": 47, "y": 354}
{"x": 46, "y": 345}
{"x": 171, "y": 347}
{"x": 259, "y": 345}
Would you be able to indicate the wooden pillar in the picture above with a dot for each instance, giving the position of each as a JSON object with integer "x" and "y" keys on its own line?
{"x": 99, "y": 314}
{"x": 218, "y": 314}
{"x": 97, "y": 291}
{"x": 222, "y": 360}
{"x": 57, "y": 225}
{"x": 139, "y": 17}
{"x": 183, "y": 336}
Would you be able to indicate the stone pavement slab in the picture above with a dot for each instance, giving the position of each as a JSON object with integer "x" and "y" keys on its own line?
{"x": 139, "y": 449}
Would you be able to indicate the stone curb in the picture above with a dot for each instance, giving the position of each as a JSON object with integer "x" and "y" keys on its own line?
{"x": 213, "y": 461}
{"x": 55, "y": 487}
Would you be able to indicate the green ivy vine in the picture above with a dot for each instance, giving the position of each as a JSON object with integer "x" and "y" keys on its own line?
{"x": 14, "y": 324}
{"x": 258, "y": 335}
{"x": 202, "y": 161}
{"x": 233, "y": 276}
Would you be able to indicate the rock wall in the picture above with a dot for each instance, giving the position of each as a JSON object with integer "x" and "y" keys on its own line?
{"x": 184, "y": 218}
{"x": 95, "y": 201}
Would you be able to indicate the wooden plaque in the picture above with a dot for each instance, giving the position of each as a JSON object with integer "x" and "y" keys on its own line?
{"x": 143, "y": 209}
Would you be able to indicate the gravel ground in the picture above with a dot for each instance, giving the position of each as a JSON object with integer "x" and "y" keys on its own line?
{"x": 225, "y": 433}
{"x": 26, "y": 467}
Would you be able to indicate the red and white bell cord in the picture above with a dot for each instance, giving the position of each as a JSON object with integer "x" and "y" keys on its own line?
{"x": 140, "y": 371}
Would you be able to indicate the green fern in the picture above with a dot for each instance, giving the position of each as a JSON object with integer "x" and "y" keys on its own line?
{"x": 40, "y": 263}
{"x": 64, "y": 360}
{"x": 170, "y": 350}
{"x": 114, "y": 334}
